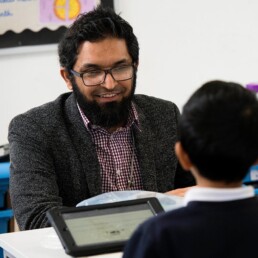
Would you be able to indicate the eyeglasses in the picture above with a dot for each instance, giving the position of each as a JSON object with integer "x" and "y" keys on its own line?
{"x": 98, "y": 76}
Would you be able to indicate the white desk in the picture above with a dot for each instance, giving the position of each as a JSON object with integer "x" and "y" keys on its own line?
{"x": 44, "y": 243}
{"x": 38, "y": 243}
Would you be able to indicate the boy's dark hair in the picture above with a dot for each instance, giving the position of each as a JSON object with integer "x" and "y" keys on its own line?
{"x": 94, "y": 26}
{"x": 219, "y": 130}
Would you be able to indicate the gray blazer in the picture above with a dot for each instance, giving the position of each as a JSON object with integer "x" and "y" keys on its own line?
{"x": 54, "y": 162}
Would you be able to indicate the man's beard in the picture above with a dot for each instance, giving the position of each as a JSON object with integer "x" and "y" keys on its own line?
{"x": 109, "y": 114}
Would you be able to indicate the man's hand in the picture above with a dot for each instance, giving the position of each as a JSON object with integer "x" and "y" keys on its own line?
{"x": 180, "y": 191}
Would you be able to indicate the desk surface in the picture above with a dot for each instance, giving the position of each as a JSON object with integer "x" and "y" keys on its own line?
{"x": 42, "y": 243}
{"x": 38, "y": 243}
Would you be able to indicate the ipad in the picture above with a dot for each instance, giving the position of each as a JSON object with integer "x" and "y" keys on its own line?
{"x": 101, "y": 228}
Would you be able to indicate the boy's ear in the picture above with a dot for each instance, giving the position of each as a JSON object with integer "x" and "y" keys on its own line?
{"x": 183, "y": 156}
{"x": 65, "y": 75}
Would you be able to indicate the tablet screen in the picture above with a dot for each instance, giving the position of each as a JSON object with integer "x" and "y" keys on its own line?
{"x": 106, "y": 225}
{"x": 101, "y": 228}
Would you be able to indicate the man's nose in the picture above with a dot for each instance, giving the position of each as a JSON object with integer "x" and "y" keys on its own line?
{"x": 109, "y": 82}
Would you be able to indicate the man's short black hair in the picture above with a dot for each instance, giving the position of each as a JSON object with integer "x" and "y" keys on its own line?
{"x": 219, "y": 130}
{"x": 93, "y": 26}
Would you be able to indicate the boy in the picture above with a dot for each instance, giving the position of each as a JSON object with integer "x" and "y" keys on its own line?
{"x": 218, "y": 142}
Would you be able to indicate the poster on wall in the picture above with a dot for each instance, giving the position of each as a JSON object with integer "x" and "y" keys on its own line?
{"x": 36, "y": 22}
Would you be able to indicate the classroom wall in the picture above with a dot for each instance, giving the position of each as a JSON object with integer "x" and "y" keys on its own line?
{"x": 29, "y": 77}
{"x": 183, "y": 43}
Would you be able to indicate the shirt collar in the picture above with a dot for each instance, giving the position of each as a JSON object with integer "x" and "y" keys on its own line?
{"x": 133, "y": 118}
{"x": 218, "y": 194}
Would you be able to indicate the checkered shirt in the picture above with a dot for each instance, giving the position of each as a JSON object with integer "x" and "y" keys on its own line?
{"x": 115, "y": 153}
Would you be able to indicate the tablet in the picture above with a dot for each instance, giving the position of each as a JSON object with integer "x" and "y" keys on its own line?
{"x": 101, "y": 228}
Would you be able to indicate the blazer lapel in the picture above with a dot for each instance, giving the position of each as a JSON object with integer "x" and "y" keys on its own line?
{"x": 145, "y": 146}
{"x": 84, "y": 147}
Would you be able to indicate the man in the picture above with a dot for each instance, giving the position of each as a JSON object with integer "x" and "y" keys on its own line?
{"x": 99, "y": 138}
{"x": 218, "y": 142}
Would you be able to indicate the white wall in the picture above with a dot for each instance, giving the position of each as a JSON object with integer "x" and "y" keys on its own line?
{"x": 183, "y": 43}
{"x": 29, "y": 77}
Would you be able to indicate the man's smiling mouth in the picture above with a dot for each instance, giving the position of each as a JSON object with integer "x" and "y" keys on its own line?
{"x": 110, "y": 95}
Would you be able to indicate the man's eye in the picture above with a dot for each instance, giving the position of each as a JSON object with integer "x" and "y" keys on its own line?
{"x": 120, "y": 68}
{"x": 93, "y": 73}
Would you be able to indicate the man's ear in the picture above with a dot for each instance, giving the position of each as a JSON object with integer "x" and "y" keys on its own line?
{"x": 136, "y": 65}
{"x": 65, "y": 75}
{"x": 183, "y": 156}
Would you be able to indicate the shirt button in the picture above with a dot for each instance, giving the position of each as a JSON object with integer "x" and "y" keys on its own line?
{"x": 118, "y": 172}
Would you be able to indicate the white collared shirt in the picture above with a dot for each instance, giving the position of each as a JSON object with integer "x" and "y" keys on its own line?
{"x": 218, "y": 194}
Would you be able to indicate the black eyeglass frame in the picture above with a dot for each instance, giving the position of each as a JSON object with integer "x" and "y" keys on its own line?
{"x": 106, "y": 71}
